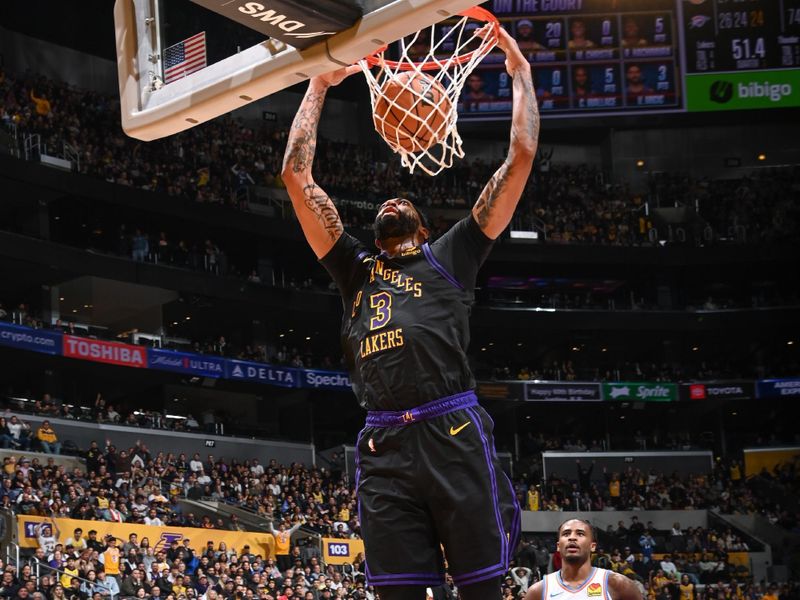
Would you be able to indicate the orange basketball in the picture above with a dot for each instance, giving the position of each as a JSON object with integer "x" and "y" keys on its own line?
{"x": 411, "y": 111}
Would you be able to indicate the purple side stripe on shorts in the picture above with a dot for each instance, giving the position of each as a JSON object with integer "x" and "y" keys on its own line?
{"x": 483, "y": 574}
{"x": 495, "y": 501}
{"x": 426, "y": 250}
{"x": 515, "y": 526}
{"x": 410, "y": 576}
{"x": 435, "y": 408}
{"x": 477, "y": 575}
{"x": 358, "y": 501}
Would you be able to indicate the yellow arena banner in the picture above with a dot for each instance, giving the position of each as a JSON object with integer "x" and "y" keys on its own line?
{"x": 340, "y": 552}
{"x": 756, "y": 459}
{"x": 159, "y": 537}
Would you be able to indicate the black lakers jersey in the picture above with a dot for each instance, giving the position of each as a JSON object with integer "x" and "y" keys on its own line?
{"x": 405, "y": 328}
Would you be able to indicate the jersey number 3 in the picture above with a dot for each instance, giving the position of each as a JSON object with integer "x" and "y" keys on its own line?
{"x": 381, "y": 302}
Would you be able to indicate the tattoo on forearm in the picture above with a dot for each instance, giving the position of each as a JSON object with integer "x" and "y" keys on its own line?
{"x": 302, "y": 142}
{"x": 321, "y": 205}
{"x": 495, "y": 187}
{"x": 523, "y": 89}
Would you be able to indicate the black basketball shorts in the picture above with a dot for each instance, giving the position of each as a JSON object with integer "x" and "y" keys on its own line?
{"x": 430, "y": 489}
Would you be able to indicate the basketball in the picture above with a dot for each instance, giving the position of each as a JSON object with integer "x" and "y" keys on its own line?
{"x": 412, "y": 112}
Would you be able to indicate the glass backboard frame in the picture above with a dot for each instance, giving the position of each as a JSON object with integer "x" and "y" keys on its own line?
{"x": 151, "y": 110}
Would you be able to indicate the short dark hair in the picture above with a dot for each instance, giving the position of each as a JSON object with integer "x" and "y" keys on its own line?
{"x": 584, "y": 521}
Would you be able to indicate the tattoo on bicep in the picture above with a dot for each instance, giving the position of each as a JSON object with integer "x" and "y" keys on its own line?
{"x": 496, "y": 186}
{"x": 321, "y": 205}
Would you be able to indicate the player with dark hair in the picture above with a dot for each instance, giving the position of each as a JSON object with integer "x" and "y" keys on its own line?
{"x": 635, "y": 86}
{"x": 578, "y": 579}
{"x": 474, "y": 93}
{"x": 427, "y": 474}
{"x": 582, "y": 87}
{"x": 525, "y": 36}
{"x": 630, "y": 33}
{"x": 578, "y": 39}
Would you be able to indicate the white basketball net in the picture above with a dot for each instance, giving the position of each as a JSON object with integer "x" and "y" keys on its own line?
{"x": 447, "y": 71}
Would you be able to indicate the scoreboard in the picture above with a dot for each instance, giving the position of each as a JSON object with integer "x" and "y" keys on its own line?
{"x": 738, "y": 35}
{"x": 741, "y": 53}
{"x": 587, "y": 56}
{"x": 641, "y": 56}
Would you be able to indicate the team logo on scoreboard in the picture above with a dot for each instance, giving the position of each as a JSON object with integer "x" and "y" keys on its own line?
{"x": 698, "y": 21}
{"x": 720, "y": 92}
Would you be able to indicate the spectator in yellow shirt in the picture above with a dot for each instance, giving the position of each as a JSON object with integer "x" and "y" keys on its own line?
{"x": 772, "y": 593}
{"x": 48, "y": 439}
{"x": 69, "y": 571}
{"x": 534, "y": 498}
{"x": 686, "y": 588}
{"x": 178, "y": 588}
{"x": 43, "y": 109}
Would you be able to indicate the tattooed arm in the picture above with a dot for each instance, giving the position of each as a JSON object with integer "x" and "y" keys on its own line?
{"x": 316, "y": 212}
{"x": 497, "y": 202}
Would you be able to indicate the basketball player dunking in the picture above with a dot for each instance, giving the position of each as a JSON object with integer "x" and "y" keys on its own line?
{"x": 427, "y": 475}
{"x": 578, "y": 579}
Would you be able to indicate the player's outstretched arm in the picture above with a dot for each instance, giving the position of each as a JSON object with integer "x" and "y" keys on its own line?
{"x": 316, "y": 212}
{"x": 497, "y": 202}
{"x": 622, "y": 588}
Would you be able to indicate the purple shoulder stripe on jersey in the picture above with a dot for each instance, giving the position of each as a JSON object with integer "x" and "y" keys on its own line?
{"x": 426, "y": 250}
{"x": 435, "y": 408}
{"x": 605, "y": 586}
{"x": 362, "y": 255}
{"x": 487, "y": 452}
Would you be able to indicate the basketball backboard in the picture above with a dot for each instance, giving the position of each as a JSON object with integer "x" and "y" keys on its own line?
{"x": 223, "y": 54}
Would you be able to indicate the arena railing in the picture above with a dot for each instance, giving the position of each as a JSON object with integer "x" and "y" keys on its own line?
{"x": 38, "y": 567}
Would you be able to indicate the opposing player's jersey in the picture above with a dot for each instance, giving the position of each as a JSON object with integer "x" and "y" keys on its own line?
{"x": 594, "y": 588}
{"x": 405, "y": 328}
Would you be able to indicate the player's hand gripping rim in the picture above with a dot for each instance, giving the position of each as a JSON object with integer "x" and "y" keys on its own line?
{"x": 515, "y": 60}
{"x": 336, "y": 77}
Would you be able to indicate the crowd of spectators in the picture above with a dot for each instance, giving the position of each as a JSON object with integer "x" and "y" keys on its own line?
{"x": 135, "y": 485}
{"x": 219, "y": 161}
{"x": 761, "y": 208}
{"x": 274, "y": 353}
{"x": 724, "y": 490}
{"x": 499, "y": 365}
{"x": 326, "y": 499}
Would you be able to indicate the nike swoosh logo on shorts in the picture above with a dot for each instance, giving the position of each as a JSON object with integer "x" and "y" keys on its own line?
{"x": 457, "y": 430}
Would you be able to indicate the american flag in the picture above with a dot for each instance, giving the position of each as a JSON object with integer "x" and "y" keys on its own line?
{"x": 185, "y": 57}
